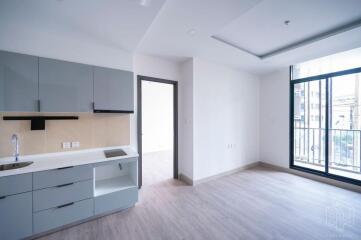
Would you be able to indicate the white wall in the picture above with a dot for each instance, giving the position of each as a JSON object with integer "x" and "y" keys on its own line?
{"x": 226, "y": 119}
{"x": 53, "y": 45}
{"x": 157, "y": 117}
{"x": 274, "y": 123}
{"x": 186, "y": 120}
{"x": 156, "y": 67}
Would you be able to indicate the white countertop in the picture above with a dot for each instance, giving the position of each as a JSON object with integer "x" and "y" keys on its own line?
{"x": 50, "y": 161}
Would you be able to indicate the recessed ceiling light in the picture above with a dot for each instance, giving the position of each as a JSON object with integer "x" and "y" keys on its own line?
{"x": 192, "y": 32}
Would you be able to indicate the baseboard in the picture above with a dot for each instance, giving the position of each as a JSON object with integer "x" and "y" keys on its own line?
{"x": 192, "y": 182}
{"x": 187, "y": 180}
{"x": 329, "y": 181}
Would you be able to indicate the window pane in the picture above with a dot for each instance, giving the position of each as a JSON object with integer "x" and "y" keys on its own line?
{"x": 309, "y": 124}
{"x": 345, "y": 126}
{"x": 333, "y": 63}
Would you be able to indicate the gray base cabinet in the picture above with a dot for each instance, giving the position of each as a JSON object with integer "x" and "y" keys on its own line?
{"x": 16, "y": 184}
{"x": 62, "y": 195}
{"x": 34, "y": 203}
{"x": 16, "y": 216}
{"x": 63, "y": 215}
{"x": 112, "y": 201}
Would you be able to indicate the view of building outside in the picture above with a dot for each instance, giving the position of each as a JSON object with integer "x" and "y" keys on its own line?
{"x": 344, "y": 116}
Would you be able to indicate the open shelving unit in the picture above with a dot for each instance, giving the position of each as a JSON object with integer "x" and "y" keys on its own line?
{"x": 115, "y": 177}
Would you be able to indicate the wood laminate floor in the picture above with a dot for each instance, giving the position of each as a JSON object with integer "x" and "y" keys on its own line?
{"x": 254, "y": 204}
{"x": 157, "y": 167}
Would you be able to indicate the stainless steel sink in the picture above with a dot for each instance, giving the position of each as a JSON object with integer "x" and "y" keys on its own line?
{"x": 16, "y": 165}
{"x": 114, "y": 153}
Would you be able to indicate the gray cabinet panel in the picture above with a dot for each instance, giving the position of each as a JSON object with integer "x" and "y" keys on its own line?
{"x": 18, "y": 82}
{"x": 118, "y": 200}
{"x": 15, "y": 184}
{"x": 65, "y": 86}
{"x": 57, "y": 217}
{"x": 16, "y": 216}
{"x": 56, "y": 196}
{"x": 113, "y": 89}
{"x": 52, "y": 178}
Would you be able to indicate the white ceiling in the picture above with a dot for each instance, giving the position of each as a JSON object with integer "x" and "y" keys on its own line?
{"x": 254, "y": 24}
{"x": 179, "y": 29}
{"x": 262, "y": 30}
{"x": 115, "y": 23}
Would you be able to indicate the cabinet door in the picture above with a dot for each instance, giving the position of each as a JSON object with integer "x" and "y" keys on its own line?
{"x": 18, "y": 82}
{"x": 65, "y": 86}
{"x": 113, "y": 90}
{"x": 16, "y": 216}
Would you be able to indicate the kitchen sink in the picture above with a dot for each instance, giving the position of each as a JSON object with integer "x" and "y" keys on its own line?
{"x": 114, "y": 153}
{"x": 10, "y": 166}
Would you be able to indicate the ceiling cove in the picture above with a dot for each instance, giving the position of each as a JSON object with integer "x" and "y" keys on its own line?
{"x": 304, "y": 42}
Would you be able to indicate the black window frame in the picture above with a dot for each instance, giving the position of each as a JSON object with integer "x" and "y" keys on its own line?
{"x": 327, "y": 78}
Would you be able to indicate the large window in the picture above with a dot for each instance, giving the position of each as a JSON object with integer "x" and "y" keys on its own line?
{"x": 326, "y": 117}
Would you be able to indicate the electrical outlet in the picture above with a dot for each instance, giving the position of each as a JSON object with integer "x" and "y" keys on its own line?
{"x": 75, "y": 144}
{"x": 66, "y": 145}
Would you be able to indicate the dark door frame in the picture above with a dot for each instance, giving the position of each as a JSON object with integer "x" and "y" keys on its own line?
{"x": 141, "y": 78}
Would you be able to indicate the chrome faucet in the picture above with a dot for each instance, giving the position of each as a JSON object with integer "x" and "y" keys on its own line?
{"x": 15, "y": 141}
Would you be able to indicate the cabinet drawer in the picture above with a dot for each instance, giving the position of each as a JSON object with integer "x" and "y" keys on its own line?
{"x": 52, "y": 178}
{"x": 16, "y": 216}
{"x": 118, "y": 200}
{"x": 56, "y": 217}
{"x": 62, "y": 194}
{"x": 15, "y": 184}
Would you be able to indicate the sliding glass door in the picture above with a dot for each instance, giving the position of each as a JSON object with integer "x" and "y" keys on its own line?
{"x": 326, "y": 125}
{"x": 309, "y": 120}
{"x": 345, "y": 126}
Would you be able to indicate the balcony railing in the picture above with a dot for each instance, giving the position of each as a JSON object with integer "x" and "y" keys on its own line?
{"x": 344, "y": 148}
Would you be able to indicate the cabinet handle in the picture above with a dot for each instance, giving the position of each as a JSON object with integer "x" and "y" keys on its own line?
{"x": 64, "y": 185}
{"x": 39, "y": 106}
{"x": 64, "y": 168}
{"x": 3, "y": 197}
{"x": 65, "y": 205}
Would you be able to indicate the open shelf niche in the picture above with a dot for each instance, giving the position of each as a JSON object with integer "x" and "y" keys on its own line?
{"x": 115, "y": 177}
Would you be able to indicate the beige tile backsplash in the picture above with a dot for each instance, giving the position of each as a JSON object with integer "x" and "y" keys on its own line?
{"x": 91, "y": 130}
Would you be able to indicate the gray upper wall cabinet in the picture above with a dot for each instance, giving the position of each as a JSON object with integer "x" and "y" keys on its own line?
{"x": 33, "y": 84}
{"x": 18, "y": 82}
{"x": 65, "y": 86}
{"x": 113, "y": 90}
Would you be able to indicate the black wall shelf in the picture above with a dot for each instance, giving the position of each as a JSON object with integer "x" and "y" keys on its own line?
{"x": 38, "y": 122}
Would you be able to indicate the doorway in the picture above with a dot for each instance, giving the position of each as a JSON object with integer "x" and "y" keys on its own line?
{"x": 157, "y": 130}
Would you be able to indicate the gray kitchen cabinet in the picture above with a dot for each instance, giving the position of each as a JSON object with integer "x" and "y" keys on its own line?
{"x": 117, "y": 200}
{"x": 113, "y": 90}
{"x": 63, "y": 215}
{"x": 56, "y": 196}
{"x": 65, "y": 86}
{"x": 18, "y": 82}
{"x": 61, "y": 176}
{"x": 16, "y": 216}
{"x": 15, "y": 184}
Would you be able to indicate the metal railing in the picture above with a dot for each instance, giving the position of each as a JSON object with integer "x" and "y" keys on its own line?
{"x": 344, "y": 148}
